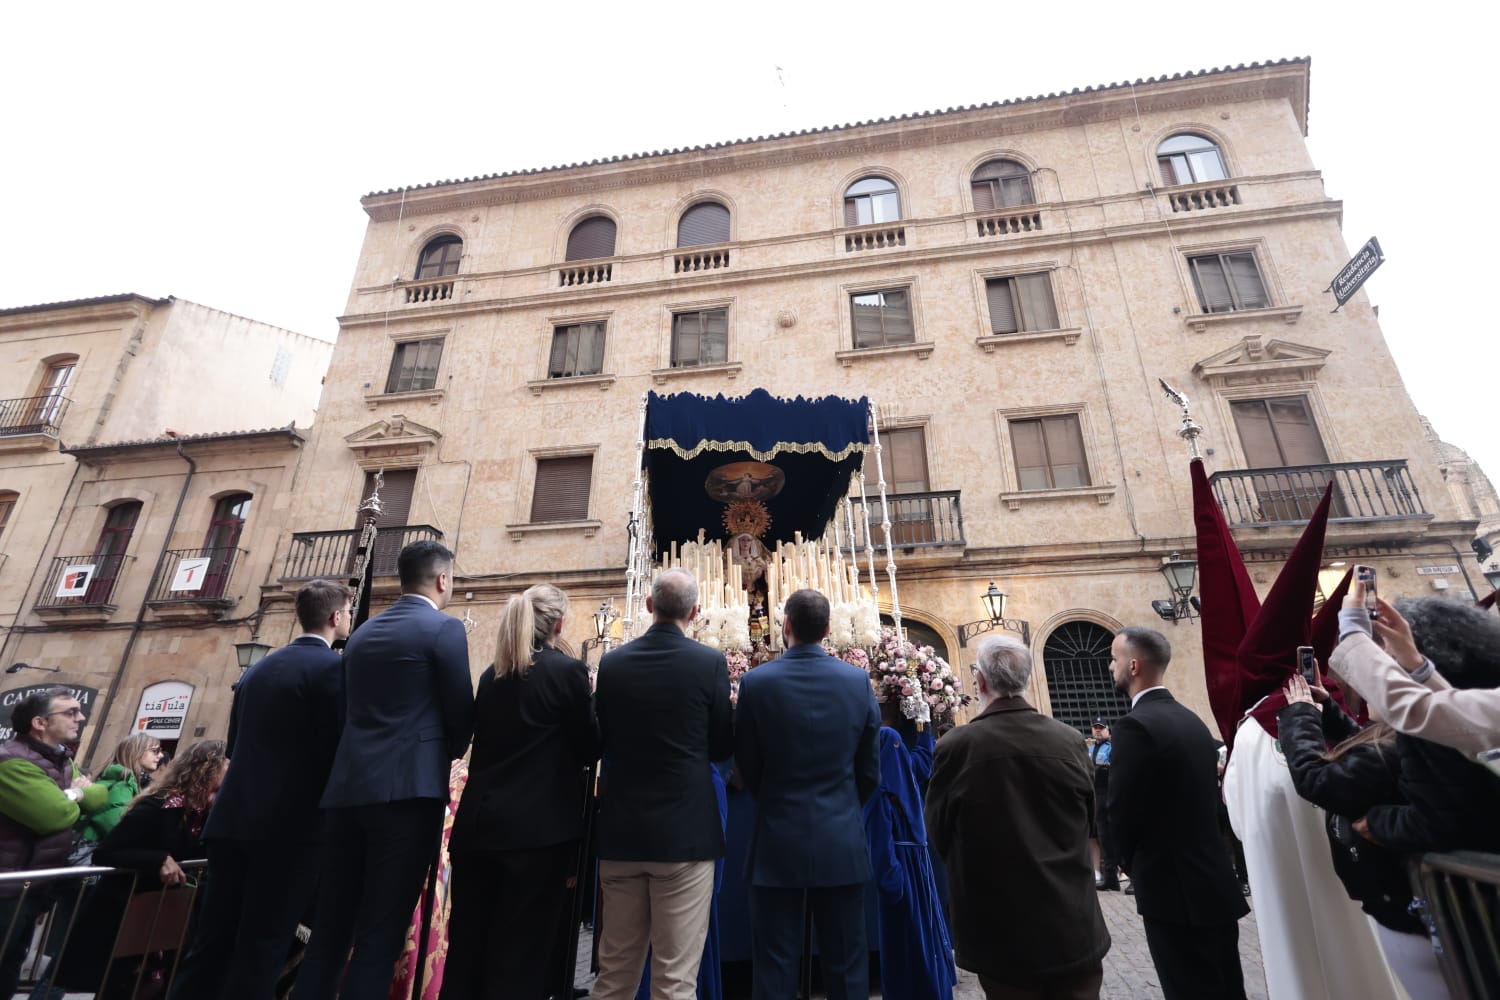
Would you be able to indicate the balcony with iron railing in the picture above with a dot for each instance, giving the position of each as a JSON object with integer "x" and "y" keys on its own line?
{"x": 32, "y": 421}
{"x": 929, "y": 520}
{"x": 81, "y": 587}
{"x": 1381, "y": 496}
{"x": 334, "y": 554}
{"x": 194, "y": 582}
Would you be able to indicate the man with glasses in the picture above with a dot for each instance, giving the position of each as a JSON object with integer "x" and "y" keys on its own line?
{"x": 265, "y": 827}
{"x": 42, "y": 794}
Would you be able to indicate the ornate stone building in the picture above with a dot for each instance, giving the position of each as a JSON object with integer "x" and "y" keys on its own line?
{"x": 1007, "y": 283}
{"x": 137, "y": 518}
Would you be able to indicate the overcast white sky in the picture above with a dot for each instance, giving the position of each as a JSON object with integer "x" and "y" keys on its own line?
{"x": 218, "y": 152}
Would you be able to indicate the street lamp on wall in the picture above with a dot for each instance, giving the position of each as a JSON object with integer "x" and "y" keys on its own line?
{"x": 1181, "y": 574}
{"x": 993, "y": 600}
{"x": 248, "y": 654}
{"x": 603, "y": 619}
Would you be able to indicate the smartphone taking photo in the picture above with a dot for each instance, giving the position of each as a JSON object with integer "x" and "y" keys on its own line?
{"x": 1366, "y": 576}
{"x": 1307, "y": 665}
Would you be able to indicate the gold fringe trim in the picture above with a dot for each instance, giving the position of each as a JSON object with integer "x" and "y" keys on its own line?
{"x": 796, "y": 447}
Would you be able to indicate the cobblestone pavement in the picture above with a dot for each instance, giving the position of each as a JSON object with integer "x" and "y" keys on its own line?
{"x": 1128, "y": 972}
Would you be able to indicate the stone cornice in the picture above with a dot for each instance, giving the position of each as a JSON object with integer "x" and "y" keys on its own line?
{"x": 1287, "y": 80}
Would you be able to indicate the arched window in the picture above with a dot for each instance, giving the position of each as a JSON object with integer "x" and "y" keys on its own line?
{"x": 593, "y": 237}
{"x": 1076, "y": 658}
{"x": 50, "y": 401}
{"x": 1001, "y": 184}
{"x": 704, "y": 223}
{"x": 1188, "y": 159}
{"x": 221, "y": 543}
{"x": 871, "y": 200}
{"x": 110, "y": 550}
{"x": 440, "y": 257}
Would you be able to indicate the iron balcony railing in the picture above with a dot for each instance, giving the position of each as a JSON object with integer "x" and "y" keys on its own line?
{"x": 188, "y": 575}
{"x": 1362, "y": 491}
{"x": 32, "y": 415}
{"x": 918, "y": 520}
{"x": 81, "y": 581}
{"x": 333, "y": 553}
{"x": 1459, "y": 894}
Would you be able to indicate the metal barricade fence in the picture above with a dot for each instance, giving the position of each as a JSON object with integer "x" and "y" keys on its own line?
{"x": 140, "y": 948}
{"x": 1460, "y": 895}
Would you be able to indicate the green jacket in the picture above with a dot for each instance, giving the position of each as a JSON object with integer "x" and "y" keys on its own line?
{"x": 123, "y": 788}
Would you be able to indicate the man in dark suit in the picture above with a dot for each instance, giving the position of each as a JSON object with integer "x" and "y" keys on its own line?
{"x": 409, "y": 712}
{"x": 807, "y": 734}
{"x": 265, "y": 825}
{"x": 662, "y": 702}
{"x": 1163, "y": 813}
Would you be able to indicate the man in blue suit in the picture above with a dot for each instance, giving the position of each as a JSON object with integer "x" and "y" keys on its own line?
{"x": 807, "y": 746}
{"x": 265, "y": 825}
{"x": 409, "y": 711}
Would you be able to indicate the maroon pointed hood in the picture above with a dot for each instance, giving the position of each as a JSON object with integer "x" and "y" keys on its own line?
{"x": 1268, "y": 653}
{"x": 1229, "y": 605}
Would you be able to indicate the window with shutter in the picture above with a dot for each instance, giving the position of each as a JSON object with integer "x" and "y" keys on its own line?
{"x": 700, "y": 338}
{"x": 593, "y": 237}
{"x": 903, "y": 452}
{"x": 883, "y": 318}
{"x": 440, "y": 257}
{"x": 577, "y": 349}
{"x": 1021, "y": 303}
{"x": 704, "y": 223}
{"x": 1228, "y": 282}
{"x": 1049, "y": 453}
{"x": 414, "y": 366}
{"x": 8, "y": 500}
{"x": 871, "y": 200}
{"x": 562, "y": 489}
{"x": 396, "y": 489}
{"x": 1189, "y": 159}
{"x": 1001, "y": 184}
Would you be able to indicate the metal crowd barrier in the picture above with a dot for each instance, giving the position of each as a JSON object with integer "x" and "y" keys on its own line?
{"x": 40, "y": 910}
{"x": 1460, "y": 895}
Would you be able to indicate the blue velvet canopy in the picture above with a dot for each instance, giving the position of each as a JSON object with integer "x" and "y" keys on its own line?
{"x": 817, "y": 444}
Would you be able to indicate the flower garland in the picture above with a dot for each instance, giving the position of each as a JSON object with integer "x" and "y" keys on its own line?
{"x": 900, "y": 669}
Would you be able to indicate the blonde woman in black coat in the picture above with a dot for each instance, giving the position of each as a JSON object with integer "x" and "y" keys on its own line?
{"x": 515, "y": 838}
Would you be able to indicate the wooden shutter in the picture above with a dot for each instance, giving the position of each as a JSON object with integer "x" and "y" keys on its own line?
{"x": 593, "y": 237}
{"x": 395, "y": 497}
{"x": 1248, "y": 287}
{"x": 865, "y": 310}
{"x": 703, "y": 224}
{"x": 1002, "y": 308}
{"x": 851, "y": 211}
{"x": 562, "y": 489}
{"x": 984, "y": 195}
{"x": 1213, "y": 287}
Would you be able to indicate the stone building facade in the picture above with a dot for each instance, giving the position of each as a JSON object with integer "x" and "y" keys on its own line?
{"x": 122, "y": 454}
{"x": 1006, "y": 282}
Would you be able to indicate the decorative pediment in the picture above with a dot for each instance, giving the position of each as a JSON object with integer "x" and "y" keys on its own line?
{"x": 393, "y": 438}
{"x": 1253, "y": 360}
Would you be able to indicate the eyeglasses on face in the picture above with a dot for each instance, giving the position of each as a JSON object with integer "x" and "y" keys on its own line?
{"x": 72, "y": 713}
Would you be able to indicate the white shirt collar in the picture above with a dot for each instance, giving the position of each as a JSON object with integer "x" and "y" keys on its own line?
{"x": 314, "y": 635}
{"x": 423, "y": 597}
{"x": 1142, "y": 694}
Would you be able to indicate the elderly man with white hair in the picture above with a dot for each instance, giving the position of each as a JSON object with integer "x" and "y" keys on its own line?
{"x": 1009, "y": 810}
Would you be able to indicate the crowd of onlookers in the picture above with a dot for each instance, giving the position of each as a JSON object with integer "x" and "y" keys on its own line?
{"x": 987, "y": 848}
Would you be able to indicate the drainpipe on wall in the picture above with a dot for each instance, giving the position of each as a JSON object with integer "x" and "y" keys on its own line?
{"x": 140, "y": 616}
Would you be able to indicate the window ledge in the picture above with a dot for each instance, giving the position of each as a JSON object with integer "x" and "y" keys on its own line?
{"x": 540, "y": 385}
{"x": 1202, "y": 321}
{"x": 921, "y": 350}
{"x": 1068, "y": 336}
{"x": 588, "y": 528}
{"x": 1104, "y": 494}
{"x": 729, "y": 369}
{"x": 433, "y": 397}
